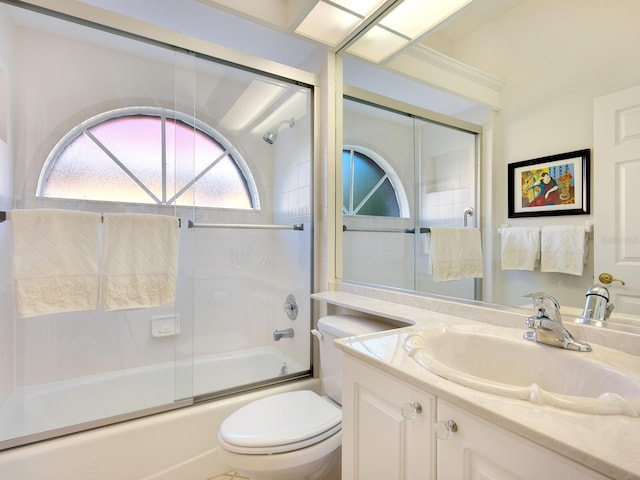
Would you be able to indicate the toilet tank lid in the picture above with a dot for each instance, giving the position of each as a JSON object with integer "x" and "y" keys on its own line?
{"x": 348, "y": 325}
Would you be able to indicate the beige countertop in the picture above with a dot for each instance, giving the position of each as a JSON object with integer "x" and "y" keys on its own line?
{"x": 608, "y": 444}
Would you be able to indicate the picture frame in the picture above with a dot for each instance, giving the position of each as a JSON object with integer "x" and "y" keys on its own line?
{"x": 553, "y": 185}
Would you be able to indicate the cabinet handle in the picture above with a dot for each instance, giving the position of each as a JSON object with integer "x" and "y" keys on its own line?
{"x": 445, "y": 428}
{"x": 410, "y": 410}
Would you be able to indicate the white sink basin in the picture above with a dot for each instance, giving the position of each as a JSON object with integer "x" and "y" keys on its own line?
{"x": 499, "y": 361}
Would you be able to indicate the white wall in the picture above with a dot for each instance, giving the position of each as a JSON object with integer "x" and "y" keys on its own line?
{"x": 556, "y": 56}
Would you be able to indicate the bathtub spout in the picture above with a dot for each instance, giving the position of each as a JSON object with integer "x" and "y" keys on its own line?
{"x": 286, "y": 333}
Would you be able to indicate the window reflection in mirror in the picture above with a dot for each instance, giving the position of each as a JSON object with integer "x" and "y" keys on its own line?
{"x": 370, "y": 186}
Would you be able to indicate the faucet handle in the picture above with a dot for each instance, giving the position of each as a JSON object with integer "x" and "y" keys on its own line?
{"x": 541, "y": 297}
{"x": 555, "y": 302}
{"x": 540, "y": 302}
{"x": 534, "y": 295}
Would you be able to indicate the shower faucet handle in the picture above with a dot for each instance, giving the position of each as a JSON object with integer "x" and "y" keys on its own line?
{"x": 291, "y": 307}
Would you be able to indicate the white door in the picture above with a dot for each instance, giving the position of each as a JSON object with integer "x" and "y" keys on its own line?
{"x": 616, "y": 182}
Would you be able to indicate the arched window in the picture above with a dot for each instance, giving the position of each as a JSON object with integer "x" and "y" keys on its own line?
{"x": 151, "y": 156}
{"x": 370, "y": 186}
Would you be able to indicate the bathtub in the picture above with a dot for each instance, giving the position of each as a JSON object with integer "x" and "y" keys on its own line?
{"x": 67, "y": 404}
{"x": 177, "y": 445}
{"x": 219, "y": 372}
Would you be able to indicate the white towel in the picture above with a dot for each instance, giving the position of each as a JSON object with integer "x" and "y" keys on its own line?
{"x": 56, "y": 259}
{"x": 139, "y": 261}
{"x": 563, "y": 249}
{"x": 520, "y": 248}
{"x": 456, "y": 253}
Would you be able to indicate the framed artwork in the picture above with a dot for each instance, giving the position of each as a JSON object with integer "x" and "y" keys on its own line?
{"x": 554, "y": 185}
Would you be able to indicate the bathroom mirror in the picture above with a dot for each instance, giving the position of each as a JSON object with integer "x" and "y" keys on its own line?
{"x": 536, "y": 111}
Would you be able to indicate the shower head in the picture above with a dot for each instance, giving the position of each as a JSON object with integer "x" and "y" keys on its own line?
{"x": 271, "y": 134}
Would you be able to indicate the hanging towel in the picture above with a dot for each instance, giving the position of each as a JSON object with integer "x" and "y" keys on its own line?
{"x": 456, "y": 253}
{"x": 520, "y": 247}
{"x": 139, "y": 261}
{"x": 563, "y": 249}
{"x": 56, "y": 261}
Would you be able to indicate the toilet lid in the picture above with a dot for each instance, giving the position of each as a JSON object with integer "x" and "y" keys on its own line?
{"x": 280, "y": 423}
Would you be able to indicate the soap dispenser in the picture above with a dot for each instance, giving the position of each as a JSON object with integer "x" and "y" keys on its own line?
{"x": 597, "y": 307}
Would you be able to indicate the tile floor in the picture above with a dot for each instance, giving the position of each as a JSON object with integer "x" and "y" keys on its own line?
{"x": 232, "y": 475}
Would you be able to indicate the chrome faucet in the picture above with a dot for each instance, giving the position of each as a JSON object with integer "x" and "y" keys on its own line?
{"x": 597, "y": 307}
{"x": 549, "y": 329}
{"x": 286, "y": 333}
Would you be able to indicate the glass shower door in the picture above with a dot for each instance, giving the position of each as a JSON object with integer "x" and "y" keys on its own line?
{"x": 446, "y": 163}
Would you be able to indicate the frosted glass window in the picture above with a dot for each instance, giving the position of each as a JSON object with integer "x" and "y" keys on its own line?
{"x": 134, "y": 156}
{"x": 366, "y": 187}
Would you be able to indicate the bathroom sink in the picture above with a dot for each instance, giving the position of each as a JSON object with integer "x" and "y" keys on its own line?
{"x": 498, "y": 360}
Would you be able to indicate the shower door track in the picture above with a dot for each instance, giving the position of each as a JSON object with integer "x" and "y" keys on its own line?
{"x": 58, "y": 432}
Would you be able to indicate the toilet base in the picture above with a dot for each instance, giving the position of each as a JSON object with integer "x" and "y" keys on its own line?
{"x": 318, "y": 462}
{"x": 329, "y": 469}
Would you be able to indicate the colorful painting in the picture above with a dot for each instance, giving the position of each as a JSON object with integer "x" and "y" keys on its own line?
{"x": 555, "y": 185}
{"x": 548, "y": 186}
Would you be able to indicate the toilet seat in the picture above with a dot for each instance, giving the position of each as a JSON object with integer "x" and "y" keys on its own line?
{"x": 280, "y": 423}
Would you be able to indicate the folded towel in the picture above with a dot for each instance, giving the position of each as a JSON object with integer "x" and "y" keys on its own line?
{"x": 456, "y": 253}
{"x": 520, "y": 247}
{"x": 563, "y": 249}
{"x": 56, "y": 261}
{"x": 139, "y": 261}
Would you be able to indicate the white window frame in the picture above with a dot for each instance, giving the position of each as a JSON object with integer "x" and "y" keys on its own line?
{"x": 189, "y": 120}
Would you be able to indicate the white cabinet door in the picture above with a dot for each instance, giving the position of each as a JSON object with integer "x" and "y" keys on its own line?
{"x": 479, "y": 450}
{"x": 387, "y": 427}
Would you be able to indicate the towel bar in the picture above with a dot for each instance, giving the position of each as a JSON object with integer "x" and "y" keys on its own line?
{"x": 179, "y": 221}
{"x": 588, "y": 227}
{"x": 386, "y": 230}
{"x": 298, "y": 226}
{"x": 3, "y": 217}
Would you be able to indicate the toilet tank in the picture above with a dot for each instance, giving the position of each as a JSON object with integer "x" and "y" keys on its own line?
{"x": 340, "y": 326}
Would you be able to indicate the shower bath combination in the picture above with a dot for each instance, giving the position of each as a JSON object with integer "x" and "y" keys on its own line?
{"x": 67, "y": 372}
{"x": 271, "y": 134}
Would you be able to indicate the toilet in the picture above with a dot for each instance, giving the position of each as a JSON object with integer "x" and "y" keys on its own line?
{"x": 296, "y": 435}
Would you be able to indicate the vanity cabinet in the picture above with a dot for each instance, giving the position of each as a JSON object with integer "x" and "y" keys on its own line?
{"x": 479, "y": 449}
{"x": 389, "y": 432}
{"x": 386, "y": 427}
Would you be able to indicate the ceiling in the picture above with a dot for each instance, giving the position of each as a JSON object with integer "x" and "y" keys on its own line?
{"x": 267, "y": 28}
{"x": 286, "y": 16}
